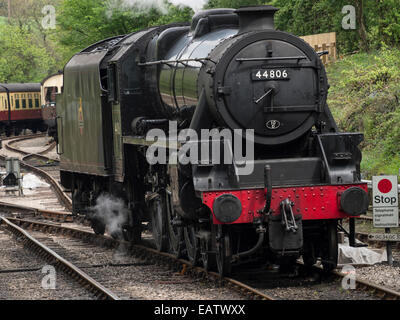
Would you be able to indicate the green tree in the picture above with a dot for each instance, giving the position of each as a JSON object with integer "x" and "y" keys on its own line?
{"x": 377, "y": 21}
{"x": 306, "y": 17}
{"x": 232, "y": 3}
{"x": 21, "y": 60}
{"x": 384, "y": 23}
{"x": 84, "y": 22}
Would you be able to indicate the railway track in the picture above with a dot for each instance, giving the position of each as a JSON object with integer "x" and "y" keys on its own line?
{"x": 140, "y": 251}
{"x": 94, "y": 287}
{"x": 14, "y": 140}
{"x": 43, "y": 166}
{"x": 40, "y": 164}
{"x": 245, "y": 288}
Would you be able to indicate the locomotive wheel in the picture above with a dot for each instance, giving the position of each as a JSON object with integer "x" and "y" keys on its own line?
{"x": 75, "y": 201}
{"x": 192, "y": 244}
{"x": 223, "y": 255}
{"x": 330, "y": 255}
{"x": 207, "y": 255}
{"x": 158, "y": 223}
{"x": 98, "y": 227}
{"x": 175, "y": 233}
{"x": 309, "y": 257}
{"x": 132, "y": 234}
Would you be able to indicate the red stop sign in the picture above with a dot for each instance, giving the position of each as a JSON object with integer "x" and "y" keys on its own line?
{"x": 384, "y": 186}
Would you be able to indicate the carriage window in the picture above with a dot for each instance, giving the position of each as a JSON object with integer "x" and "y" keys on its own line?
{"x": 17, "y": 101}
{"x": 23, "y": 102}
{"x": 50, "y": 94}
{"x": 30, "y": 101}
{"x": 36, "y": 103}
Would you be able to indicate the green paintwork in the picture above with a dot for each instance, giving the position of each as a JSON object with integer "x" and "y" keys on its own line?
{"x": 82, "y": 115}
{"x": 118, "y": 161}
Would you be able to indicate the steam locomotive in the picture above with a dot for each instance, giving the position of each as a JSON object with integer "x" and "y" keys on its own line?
{"x": 127, "y": 101}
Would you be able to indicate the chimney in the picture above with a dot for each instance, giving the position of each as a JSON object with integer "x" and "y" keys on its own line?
{"x": 256, "y": 18}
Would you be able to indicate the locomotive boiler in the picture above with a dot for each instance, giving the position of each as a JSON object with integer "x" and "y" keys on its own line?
{"x": 227, "y": 74}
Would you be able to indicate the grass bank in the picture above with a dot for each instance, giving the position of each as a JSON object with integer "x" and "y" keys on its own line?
{"x": 365, "y": 97}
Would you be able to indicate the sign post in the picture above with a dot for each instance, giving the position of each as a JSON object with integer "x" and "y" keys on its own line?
{"x": 385, "y": 204}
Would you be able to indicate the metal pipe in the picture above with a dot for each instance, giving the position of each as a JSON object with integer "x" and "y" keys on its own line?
{"x": 352, "y": 236}
{"x": 268, "y": 186}
{"x": 258, "y": 245}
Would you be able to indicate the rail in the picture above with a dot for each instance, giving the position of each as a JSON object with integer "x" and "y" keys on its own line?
{"x": 64, "y": 199}
{"x": 100, "y": 291}
{"x": 145, "y": 252}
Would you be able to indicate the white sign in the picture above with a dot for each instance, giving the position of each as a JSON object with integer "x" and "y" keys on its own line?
{"x": 385, "y": 201}
{"x": 384, "y": 236}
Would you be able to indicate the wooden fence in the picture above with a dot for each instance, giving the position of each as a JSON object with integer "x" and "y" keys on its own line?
{"x": 323, "y": 42}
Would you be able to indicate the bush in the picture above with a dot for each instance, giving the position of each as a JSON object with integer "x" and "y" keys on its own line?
{"x": 364, "y": 96}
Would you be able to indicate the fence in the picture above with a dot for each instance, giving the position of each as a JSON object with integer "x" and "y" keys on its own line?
{"x": 323, "y": 42}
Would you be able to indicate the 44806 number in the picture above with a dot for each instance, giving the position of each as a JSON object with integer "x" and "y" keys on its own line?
{"x": 270, "y": 74}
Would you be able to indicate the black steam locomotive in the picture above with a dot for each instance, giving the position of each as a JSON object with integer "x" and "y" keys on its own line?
{"x": 234, "y": 82}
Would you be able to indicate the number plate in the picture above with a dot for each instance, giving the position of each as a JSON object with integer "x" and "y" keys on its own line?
{"x": 384, "y": 236}
{"x": 270, "y": 74}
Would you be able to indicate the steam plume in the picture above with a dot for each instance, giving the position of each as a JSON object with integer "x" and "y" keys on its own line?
{"x": 111, "y": 211}
{"x": 145, "y": 5}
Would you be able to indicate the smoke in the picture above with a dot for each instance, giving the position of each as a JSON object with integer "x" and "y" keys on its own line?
{"x": 49, "y": 122}
{"x": 142, "y": 6}
{"x": 204, "y": 235}
{"x": 139, "y": 6}
{"x": 196, "y": 5}
{"x": 112, "y": 212}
